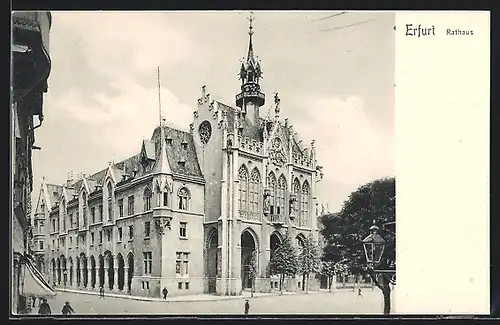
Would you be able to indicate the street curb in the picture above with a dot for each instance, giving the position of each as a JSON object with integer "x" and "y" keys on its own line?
{"x": 219, "y": 298}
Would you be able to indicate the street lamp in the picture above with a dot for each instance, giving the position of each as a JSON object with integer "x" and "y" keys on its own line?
{"x": 374, "y": 246}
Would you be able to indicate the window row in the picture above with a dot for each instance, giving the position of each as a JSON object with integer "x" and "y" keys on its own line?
{"x": 249, "y": 193}
{"x": 81, "y": 238}
{"x": 96, "y": 213}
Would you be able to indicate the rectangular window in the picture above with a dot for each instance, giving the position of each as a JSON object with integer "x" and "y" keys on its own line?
{"x": 41, "y": 227}
{"x": 108, "y": 234}
{"x": 92, "y": 238}
{"x": 182, "y": 263}
{"x": 40, "y": 244}
{"x": 165, "y": 198}
{"x": 147, "y": 202}
{"x": 147, "y": 229}
{"x": 70, "y": 242}
{"x": 148, "y": 258}
{"x": 100, "y": 212}
{"x": 120, "y": 234}
{"x": 130, "y": 232}
{"x": 92, "y": 214}
{"x": 179, "y": 285}
{"x": 130, "y": 202}
{"x": 77, "y": 220}
{"x": 120, "y": 208}
{"x": 53, "y": 244}
{"x": 145, "y": 285}
{"x": 100, "y": 237}
{"x": 186, "y": 285}
{"x": 183, "y": 230}
{"x": 71, "y": 223}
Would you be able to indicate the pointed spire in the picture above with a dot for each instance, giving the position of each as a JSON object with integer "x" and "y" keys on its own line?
{"x": 250, "y": 33}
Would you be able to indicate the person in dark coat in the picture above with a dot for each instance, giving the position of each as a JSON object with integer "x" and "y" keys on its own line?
{"x": 67, "y": 309}
{"x": 101, "y": 292}
{"x": 165, "y": 293}
{"x": 247, "y": 307}
{"x": 44, "y": 308}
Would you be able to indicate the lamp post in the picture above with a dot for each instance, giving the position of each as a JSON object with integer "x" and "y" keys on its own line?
{"x": 374, "y": 246}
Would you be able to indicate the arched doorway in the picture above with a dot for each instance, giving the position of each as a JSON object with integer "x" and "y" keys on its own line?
{"x": 54, "y": 271}
{"x": 92, "y": 272}
{"x": 70, "y": 271}
{"x": 274, "y": 242}
{"x": 212, "y": 259}
{"x": 300, "y": 245}
{"x": 130, "y": 263}
{"x": 58, "y": 271}
{"x": 64, "y": 270}
{"x": 85, "y": 274}
{"x": 248, "y": 248}
{"x": 111, "y": 269}
{"x": 101, "y": 271}
{"x": 78, "y": 273}
{"x": 121, "y": 271}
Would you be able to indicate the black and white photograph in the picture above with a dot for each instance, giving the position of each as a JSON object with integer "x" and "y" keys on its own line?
{"x": 203, "y": 163}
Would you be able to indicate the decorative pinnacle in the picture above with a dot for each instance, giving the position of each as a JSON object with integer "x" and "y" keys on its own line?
{"x": 250, "y": 19}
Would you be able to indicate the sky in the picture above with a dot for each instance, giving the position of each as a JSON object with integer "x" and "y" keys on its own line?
{"x": 336, "y": 85}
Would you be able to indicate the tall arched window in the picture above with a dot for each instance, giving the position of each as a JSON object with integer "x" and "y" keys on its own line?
{"x": 63, "y": 214}
{"x": 305, "y": 204}
{"x": 271, "y": 183}
{"x": 280, "y": 202}
{"x": 183, "y": 196}
{"x": 147, "y": 199}
{"x": 110, "y": 202}
{"x": 255, "y": 193}
{"x": 296, "y": 191}
{"x": 243, "y": 190}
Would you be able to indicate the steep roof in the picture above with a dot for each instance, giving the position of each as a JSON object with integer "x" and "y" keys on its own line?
{"x": 252, "y": 131}
{"x": 182, "y": 160}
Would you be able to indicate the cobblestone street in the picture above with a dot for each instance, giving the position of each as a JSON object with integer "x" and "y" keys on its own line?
{"x": 338, "y": 302}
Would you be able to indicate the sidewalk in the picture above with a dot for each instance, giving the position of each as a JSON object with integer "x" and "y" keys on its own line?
{"x": 192, "y": 298}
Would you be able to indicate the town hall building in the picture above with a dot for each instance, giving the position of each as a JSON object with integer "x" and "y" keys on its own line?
{"x": 190, "y": 209}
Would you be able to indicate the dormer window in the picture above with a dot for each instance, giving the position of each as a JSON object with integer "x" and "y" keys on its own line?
{"x": 169, "y": 139}
{"x": 184, "y": 145}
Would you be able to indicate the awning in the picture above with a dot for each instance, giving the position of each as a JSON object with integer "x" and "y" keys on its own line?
{"x": 33, "y": 282}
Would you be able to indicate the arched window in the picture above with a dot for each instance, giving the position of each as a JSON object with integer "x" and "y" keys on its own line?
{"x": 183, "y": 196}
{"x": 280, "y": 202}
{"x": 296, "y": 191}
{"x": 271, "y": 183}
{"x": 304, "y": 204}
{"x": 165, "y": 196}
{"x": 110, "y": 202}
{"x": 254, "y": 193}
{"x": 243, "y": 189}
{"x": 147, "y": 199}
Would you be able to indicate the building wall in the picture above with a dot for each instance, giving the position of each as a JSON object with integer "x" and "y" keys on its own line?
{"x": 210, "y": 159}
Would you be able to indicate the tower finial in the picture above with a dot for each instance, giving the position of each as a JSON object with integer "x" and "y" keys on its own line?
{"x": 251, "y": 19}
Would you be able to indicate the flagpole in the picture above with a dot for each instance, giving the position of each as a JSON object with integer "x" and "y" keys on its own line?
{"x": 159, "y": 96}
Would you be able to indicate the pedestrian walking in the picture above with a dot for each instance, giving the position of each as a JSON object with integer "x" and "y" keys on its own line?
{"x": 360, "y": 294}
{"x": 67, "y": 309}
{"x": 247, "y": 307}
{"x": 165, "y": 293}
{"x": 101, "y": 292}
{"x": 33, "y": 298}
{"x": 44, "y": 308}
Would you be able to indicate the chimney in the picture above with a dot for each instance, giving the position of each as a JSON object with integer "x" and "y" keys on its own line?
{"x": 70, "y": 179}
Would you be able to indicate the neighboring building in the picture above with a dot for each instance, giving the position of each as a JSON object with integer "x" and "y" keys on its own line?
{"x": 30, "y": 70}
{"x": 191, "y": 208}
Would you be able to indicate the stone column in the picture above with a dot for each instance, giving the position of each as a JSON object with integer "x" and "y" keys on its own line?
{"x": 81, "y": 278}
{"x": 106, "y": 278}
{"x": 115, "y": 278}
{"x": 89, "y": 276}
{"x": 126, "y": 287}
{"x": 97, "y": 279}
